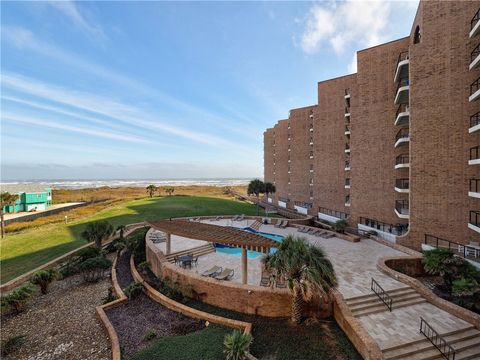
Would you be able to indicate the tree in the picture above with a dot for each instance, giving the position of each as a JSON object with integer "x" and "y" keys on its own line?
{"x": 151, "y": 189}
{"x": 256, "y": 187}
{"x": 169, "y": 190}
{"x": 94, "y": 269}
{"x": 270, "y": 188}
{"x": 306, "y": 269}
{"x": 18, "y": 298}
{"x": 98, "y": 232}
{"x": 44, "y": 278}
{"x": 6, "y": 199}
{"x": 340, "y": 226}
{"x": 236, "y": 345}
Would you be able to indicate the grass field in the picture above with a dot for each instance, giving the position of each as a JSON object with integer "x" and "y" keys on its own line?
{"x": 26, "y": 250}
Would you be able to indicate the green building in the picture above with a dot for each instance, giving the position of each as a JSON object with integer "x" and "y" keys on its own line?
{"x": 31, "y": 197}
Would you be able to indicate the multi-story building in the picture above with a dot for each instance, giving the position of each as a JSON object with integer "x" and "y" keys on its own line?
{"x": 394, "y": 148}
{"x": 31, "y": 197}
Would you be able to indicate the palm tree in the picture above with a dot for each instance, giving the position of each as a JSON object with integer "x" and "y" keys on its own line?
{"x": 151, "y": 189}
{"x": 306, "y": 269}
{"x": 121, "y": 228}
{"x": 256, "y": 187}
{"x": 340, "y": 225}
{"x": 270, "y": 188}
{"x": 6, "y": 199}
{"x": 98, "y": 232}
{"x": 169, "y": 190}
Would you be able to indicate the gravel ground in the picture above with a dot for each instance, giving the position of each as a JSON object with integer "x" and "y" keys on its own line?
{"x": 61, "y": 324}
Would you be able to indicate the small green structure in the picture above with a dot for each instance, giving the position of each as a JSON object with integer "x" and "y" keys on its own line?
{"x": 31, "y": 197}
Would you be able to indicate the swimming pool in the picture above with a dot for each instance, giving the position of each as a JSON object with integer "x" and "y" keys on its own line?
{"x": 250, "y": 254}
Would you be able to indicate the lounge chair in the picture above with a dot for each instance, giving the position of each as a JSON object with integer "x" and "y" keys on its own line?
{"x": 215, "y": 270}
{"x": 285, "y": 224}
{"x": 265, "y": 281}
{"x": 280, "y": 282}
{"x": 241, "y": 218}
{"x": 235, "y": 217}
{"x": 279, "y": 223}
{"x": 301, "y": 229}
{"x": 226, "y": 274}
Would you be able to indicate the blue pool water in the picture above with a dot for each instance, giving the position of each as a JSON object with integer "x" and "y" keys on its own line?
{"x": 250, "y": 254}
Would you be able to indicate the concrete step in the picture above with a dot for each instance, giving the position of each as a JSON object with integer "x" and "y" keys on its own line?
{"x": 372, "y": 294}
{"x": 376, "y": 301}
{"x": 382, "y": 307}
{"x": 461, "y": 340}
{"x": 363, "y": 300}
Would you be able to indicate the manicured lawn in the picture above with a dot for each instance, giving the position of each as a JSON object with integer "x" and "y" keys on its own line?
{"x": 24, "y": 251}
{"x": 206, "y": 344}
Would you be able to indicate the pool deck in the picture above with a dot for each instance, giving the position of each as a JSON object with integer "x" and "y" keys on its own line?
{"x": 355, "y": 266}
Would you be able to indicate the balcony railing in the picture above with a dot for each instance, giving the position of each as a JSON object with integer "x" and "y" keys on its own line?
{"x": 474, "y": 87}
{"x": 475, "y": 119}
{"x": 465, "y": 251}
{"x": 475, "y": 153}
{"x": 403, "y": 82}
{"x": 402, "y": 56}
{"x": 347, "y": 147}
{"x": 401, "y": 109}
{"x": 474, "y": 185}
{"x": 475, "y": 218}
{"x": 402, "y": 183}
{"x": 398, "y": 229}
{"x": 402, "y": 206}
{"x": 438, "y": 341}
{"x": 402, "y": 133}
{"x": 347, "y": 110}
{"x": 347, "y": 91}
{"x": 475, "y": 19}
{"x": 334, "y": 213}
{"x": 475, "y": 53}
{"x": 402, "y": 159}
{"x": 347, "y": 128}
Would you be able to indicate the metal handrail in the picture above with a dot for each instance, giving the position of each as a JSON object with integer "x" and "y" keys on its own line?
{"x": 474, "y": 185}
{"x": 401, "y": 206}
{"x": 402, "y": 133}
{"x": 382, "y": 294}
{"x": 402, "y": 82}
{"x": 475, "y": 19}
{"x": 438, "y": 341}
{"x": 398, "y": 229}
{"x": 402, "y": 183}
{"x": 475, "y": 119}
{"x": 475, "y": 86}
{"x": 402, "y": 159}
{"x": 334, "y": 213}
{"x": 461, "y": 249}
{"x": 475, "y": 53}
{"x": 401, "y": 108}
{"x": 474, "y": 218}
{"x": 475, "y": 153}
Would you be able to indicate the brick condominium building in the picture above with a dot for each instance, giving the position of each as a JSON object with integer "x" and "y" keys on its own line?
{"x": 394, "y": 148}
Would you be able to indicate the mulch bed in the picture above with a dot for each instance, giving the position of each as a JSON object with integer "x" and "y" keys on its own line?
{"x": 61, "y": 324}
{"x": 133, "y": 319}
{"x": 124, "y": 276}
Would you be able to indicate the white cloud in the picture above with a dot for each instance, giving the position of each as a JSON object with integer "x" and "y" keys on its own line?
{"x": 72, "y": 12}
{"x": 340, "y": 24}
{"x": 352, "y": 67}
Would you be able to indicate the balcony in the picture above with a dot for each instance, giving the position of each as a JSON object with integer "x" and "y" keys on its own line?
{"x": 402, "y": 185}
{"x": 347, "y": 165}
{"x": 347, "y": 148}
{"x": 347, "y": 183}
{"x": 402, "y": 209}
{"x": 474, "y": 123}
{"x": 475, "y": 25}
{"x": 474, "y": 90}
{"x": 475, "y": 58}
{"x": 331, "y": 215}
{"x": 347, "y": 130}
{"x": 402, "y": 161}
{"x": 474, "y": 188}
{"x": 474, "y": 156}
{"x": 347, "y": 94}
{"x": 474, "y": 221}
{"x": 401, "y": 71}
{"x": 403, "y": 92}
{"x": 402, "y": 117}
{"x": 402, "y": 137}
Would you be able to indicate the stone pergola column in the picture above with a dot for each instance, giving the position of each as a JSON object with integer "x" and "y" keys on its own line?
{"x": 244, "y": 266}
{"x": 168, "y": 244}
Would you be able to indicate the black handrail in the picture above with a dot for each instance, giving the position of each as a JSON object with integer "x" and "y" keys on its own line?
{"x": 474, "y": 185}
{"x": 347, "y": 128}
{"x": 398, "y": 229}
{"x": 475, "y": 153}
{"x": 402, "y": 183}
{"x": 402, "y": 159}
{"x": 402, "y": 133}
{"x": 347, "y": 110}
{"x": 475, "y": 86}
{"x": 401, "y": 108}
{"x": 334, "y": 213}
{"x": 347, "y": 164}
{"x": 475, "y": 53}
{"x": 402, "y": 56}
{"x": 475, "y": 19}
{"x": 347, "y": 91}
{"x": 460, "y": 249}
{"x": 474, "y": 218}
{"x": 347, "y": 146}
{"x": 475, "y": 119}
{"x": 402, "y": 82}
{"x": 402, "y": 206}
{"x": 382, "y": 294}
{"x": 438, "y": 341}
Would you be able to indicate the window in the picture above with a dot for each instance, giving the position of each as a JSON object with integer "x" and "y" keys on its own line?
{"x": 347, "y": 182}
{"x": 417, "y": 36}
{"x": 347, "y": 199}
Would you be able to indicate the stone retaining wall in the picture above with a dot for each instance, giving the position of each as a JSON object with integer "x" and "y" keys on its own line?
{"x": 412, "y": 265}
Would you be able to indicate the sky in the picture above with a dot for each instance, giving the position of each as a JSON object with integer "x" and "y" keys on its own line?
{"x": 149, "y": 90}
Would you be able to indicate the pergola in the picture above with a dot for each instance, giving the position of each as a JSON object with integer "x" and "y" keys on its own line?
{"x": 215, "y": 234}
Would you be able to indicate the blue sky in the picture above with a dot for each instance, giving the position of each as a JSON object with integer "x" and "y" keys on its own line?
{"x": 98, "y": 90}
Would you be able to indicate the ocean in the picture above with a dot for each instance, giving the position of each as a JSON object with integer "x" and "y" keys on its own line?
{"x": 83, "y": 184}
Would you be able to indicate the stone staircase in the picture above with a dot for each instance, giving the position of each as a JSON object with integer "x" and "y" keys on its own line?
{"x": 196, "y": 251}
{"x": 466, "y": 343}
{"x": 371, "y": 304}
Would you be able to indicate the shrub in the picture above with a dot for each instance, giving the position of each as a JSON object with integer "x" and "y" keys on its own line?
{"x": 444, "y": 263}
{"x": 467, "y": 293}
{"x": 136, "y": 244}
{"x": 98, "y": 232}
{"x": 18, "y": 298}
{"x": 143, "y": 266}
{"x": 12, "y": 344}
{"x": 133, "y": 290}
{"x": 149, "y": 335}
{"x": 236, "y": 345}
{"x": 44, "y": 278}
{"x": 94, "y": 269}
{"x": 110, "y": 296}
{"x": 70, "y": 268}
{"x": 340, "y": 226}
{"x": 88, "y": 253}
